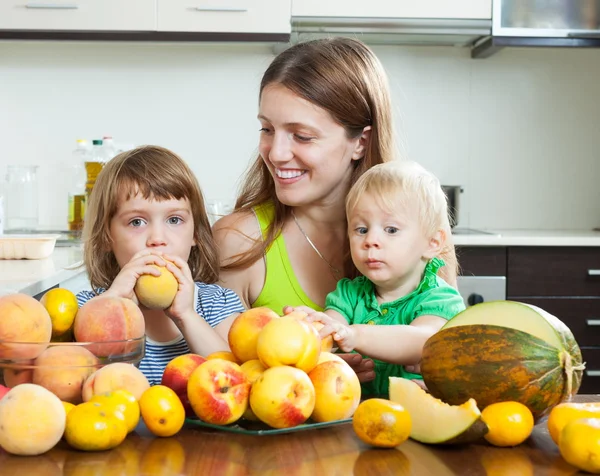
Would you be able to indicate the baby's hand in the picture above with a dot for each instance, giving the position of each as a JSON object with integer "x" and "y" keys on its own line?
{"x": 183, "y": 304}
{"x": 140, "y": 264}
{"x": 343, "y": 334}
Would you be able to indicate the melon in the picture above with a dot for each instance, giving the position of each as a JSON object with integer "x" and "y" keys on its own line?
{"x": 503, "y": 351}
{"x": 434, "y": 421}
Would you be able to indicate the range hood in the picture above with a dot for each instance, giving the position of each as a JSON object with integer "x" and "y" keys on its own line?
{"x": 393, "y": 31}
{"x": 541, "y": 23}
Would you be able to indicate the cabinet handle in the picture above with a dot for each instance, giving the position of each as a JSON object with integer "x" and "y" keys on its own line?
{"x": 592, "y": 373}
{"x": 593, "y": 322}
{"x": 219, "y": 9}
{"x": 52, "y": 6}
{"x": 593, "y": 272}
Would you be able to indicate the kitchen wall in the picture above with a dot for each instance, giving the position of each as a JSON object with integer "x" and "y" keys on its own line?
{"x": 518, "y": 130}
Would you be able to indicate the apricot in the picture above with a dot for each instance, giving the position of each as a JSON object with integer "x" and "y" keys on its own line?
{"x": 23, "y": 319}
{"x": 157, "y": 292}
{"x": 115, "y": 377}
{"x": 63, "y": 370}
{"x": 33, "y": 420}
{"x": 106, "y": 318}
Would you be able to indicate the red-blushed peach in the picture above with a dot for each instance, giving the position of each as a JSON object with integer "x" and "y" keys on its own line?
{"x": 64, "y": 369}
{"x": 223, "y": 355}
{"x": 283, "y": 397}
{"x": 157, "y": 292}
{"x": 3, "y": 391}
{"x": 23, "y": 319}
{"x": 243, "y": 334}
{"x": 177, "y": 374}
{"x": 16, "y": 376}
{"x": 218, "y": 391}
{"x": 289, "y": 341}
{"x": 337, "y": 391}
{"x": 116, "y": 376}
{"x": 105, "y": 319}
{"x": 253, "y": 370}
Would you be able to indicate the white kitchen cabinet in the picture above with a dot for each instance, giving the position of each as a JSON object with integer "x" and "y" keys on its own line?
{"x": 81, "y": 15}
{"x": 224, "y": 16}
{"x": 426, "y": 9}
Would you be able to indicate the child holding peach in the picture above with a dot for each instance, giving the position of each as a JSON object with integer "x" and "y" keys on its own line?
{"x": 397, "y": 214}
{"x": 146, "y": 218}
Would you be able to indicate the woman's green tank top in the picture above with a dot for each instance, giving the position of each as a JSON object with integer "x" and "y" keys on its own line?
{"x": 281, "y": 286}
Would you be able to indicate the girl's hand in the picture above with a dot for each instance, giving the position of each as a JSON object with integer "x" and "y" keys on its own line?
{"x": 140, "y": 264}
{"x": 183, "y": 305}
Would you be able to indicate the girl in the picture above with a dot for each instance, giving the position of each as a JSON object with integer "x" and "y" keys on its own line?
{"x": 397, "y": 216}
{"x": 147, "y": 209}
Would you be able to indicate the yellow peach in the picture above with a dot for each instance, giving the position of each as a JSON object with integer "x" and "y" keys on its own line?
{"x": 117, "y": 376}
{"x": 243, "y": 334}
{"x": 157, "y": 292}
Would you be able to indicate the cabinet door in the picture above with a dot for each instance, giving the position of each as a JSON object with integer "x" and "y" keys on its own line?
{"x": 90, "y": 15}
{"x": 225, "y": 16}
{"x": 455, "y": 9}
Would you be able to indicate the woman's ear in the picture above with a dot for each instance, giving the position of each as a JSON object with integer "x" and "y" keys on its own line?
{"x": 361, "y": 145}
{"x": 436, "y": 244}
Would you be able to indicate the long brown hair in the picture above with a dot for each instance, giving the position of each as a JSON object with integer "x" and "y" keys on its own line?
{"x": 156, "y": 173}
{"x": 345, "y": 78}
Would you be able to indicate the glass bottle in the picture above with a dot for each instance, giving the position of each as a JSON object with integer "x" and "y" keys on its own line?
{"x": 94, "y": 165}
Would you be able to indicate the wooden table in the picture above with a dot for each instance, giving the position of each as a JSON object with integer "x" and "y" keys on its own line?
{"x": 330, "y": 451}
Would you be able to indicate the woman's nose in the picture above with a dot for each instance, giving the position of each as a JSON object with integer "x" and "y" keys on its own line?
{"x": 280, "y": 150}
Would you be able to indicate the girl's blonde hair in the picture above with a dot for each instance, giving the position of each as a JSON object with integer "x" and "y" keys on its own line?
{"x": 345, "y": 78}
{"x": 409, "y": 185}
{"x": 155, "y": 173}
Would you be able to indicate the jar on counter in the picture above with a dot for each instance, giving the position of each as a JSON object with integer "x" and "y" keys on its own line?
{"x": 21, "y": 204}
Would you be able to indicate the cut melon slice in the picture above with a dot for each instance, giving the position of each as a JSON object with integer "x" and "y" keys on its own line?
{"x": 434, "y": 421}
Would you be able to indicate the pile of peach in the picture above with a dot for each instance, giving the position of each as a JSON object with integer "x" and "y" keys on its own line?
{"x": 103, "y": 327}
{"x": 279, "y": 372}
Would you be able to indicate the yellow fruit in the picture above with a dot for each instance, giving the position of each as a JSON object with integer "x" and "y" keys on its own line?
{"x": 380, "y": 422}
{"x": 68, "y": 407}
{"x": 509, "y": 423}
{"x": 61, "y": 304}
{"x": 567, "y": 412}
{"x": 162, "y": 411}
{"x": 93, "y": 427}
{"x": 124, "y": 402}
{"x": 579, "y": 444}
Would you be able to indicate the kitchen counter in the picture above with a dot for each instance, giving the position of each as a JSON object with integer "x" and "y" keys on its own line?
{"x": 331, "y": 451}
{"x": 529, "y": 238}
{"x": 36, "y": 276}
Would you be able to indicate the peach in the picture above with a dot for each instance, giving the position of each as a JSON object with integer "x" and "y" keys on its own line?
{"x": 177, "y": 374}
{"x": 337, "y": 391}
{"x": 114, "y": 377}
{"x": 218, "y": 391}
{"x": 253, "y": 370}
{"x": 224, "y": 355}
{"x": 23, "y": 319}
{"x": 106, "y": 318}
{"x": 283, "y": 397}
{"x": 63, "y": 370}
{"x": 326, "y": 342}
{"x": 243, "y": 334}
{"x": 33, "y": 420}
{"x": 157, "y": 292}
{"x": 289, "y": 341}
{"x": 17, "y": 376}
{"x": 328, "y": 356}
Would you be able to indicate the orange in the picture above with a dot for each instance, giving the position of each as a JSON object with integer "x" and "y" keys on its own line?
{"x": 579, "y": 444}
{"x": 380, "y": 422}
{"x": 162, "y": 411}
{"x": 62, "y": 306}
{"x": 567, "y": 412}
{"x": 509, "y": 423}
{"x": 122, "y": 401}
{"x": 93, "y": 427}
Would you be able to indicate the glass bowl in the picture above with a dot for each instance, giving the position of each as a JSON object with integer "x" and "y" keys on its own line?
{"x": 63, "y": 367}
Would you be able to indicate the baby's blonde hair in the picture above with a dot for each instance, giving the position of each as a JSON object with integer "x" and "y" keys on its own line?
{"x": 158, "y": 174}
{"x": 408, "y": 184}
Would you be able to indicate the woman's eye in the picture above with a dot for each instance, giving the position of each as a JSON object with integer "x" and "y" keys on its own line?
{"x": 136, "y": 222}
{"x": 392, "y": 230}
{"x": 264, "y": 130}
{"x": 302, "y": 138}
{"x": 175, "y": 220}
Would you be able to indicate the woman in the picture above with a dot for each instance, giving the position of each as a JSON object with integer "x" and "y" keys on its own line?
{"x": 325, "y": 115}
